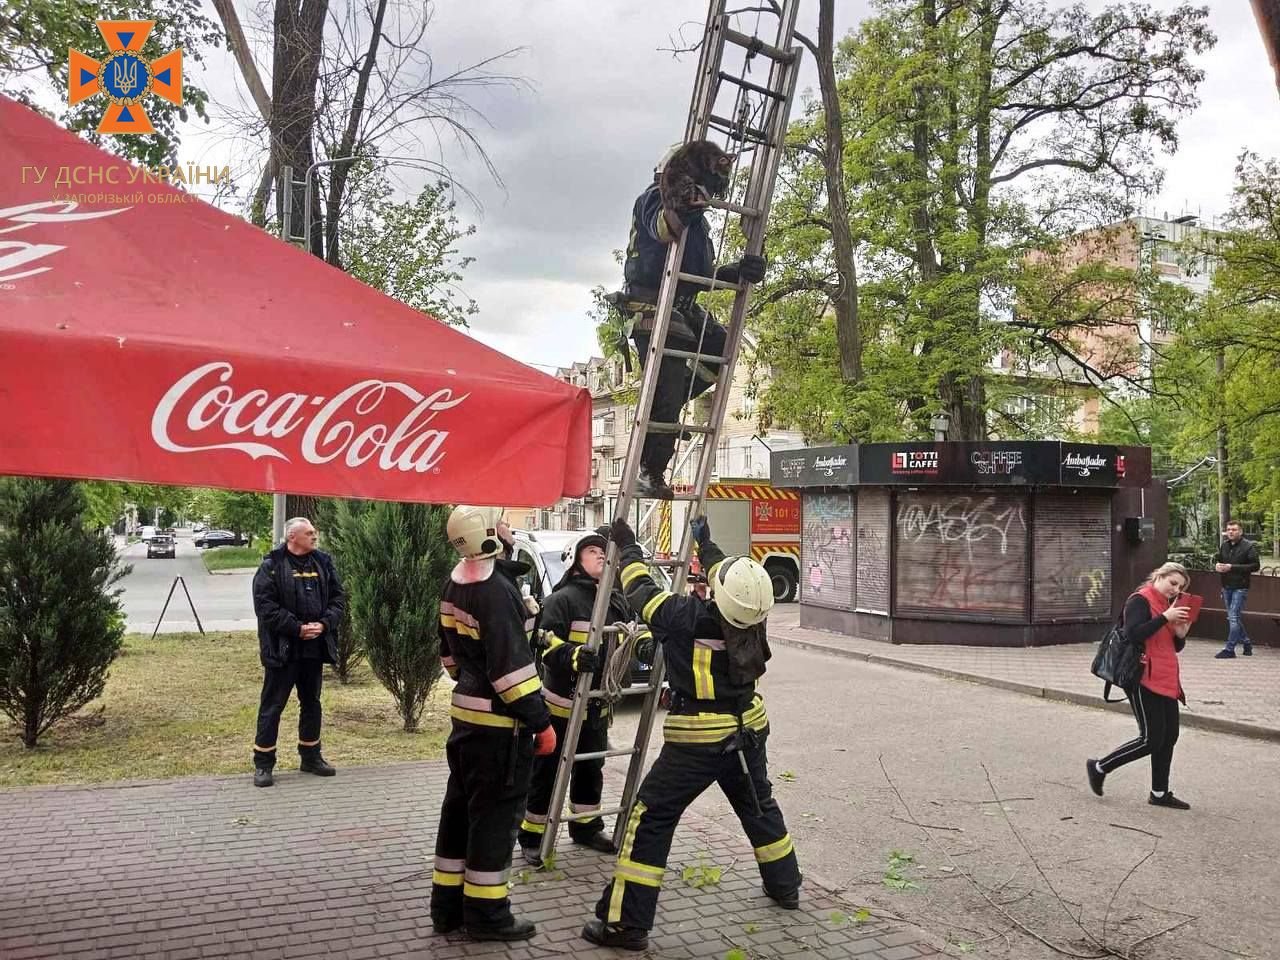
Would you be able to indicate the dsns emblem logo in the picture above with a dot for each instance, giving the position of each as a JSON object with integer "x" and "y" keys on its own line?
{"x": 125, "y": 78}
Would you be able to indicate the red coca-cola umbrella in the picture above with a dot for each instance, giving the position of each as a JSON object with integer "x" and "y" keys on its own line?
{"x": 148, "y": 336}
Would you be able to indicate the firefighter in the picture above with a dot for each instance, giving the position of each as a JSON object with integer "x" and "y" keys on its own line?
{"x": 497, "y": 704}
{"x": 655, "y": 225}
{"x": 715, "y": 651}
{"x": 566, "y": 620}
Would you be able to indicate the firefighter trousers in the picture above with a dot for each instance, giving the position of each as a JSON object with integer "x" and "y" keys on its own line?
{"x": 678, "y": 776}
{"x": 486, "y": 790}
{"x": 307, "y": 677}
{"x": 585, "y": 785}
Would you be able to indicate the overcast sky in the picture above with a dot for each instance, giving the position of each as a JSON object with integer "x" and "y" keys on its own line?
{"x": 603, "y": 103}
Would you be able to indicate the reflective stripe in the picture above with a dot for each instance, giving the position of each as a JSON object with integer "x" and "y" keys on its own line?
{"x": 259, "y": 749}
{"x": 528, "y": 624}
{"x": 488, "y": 878}
{"x": 481, "y": 892}
{"x": 555, "y": 698}
{"x": 582, "y": 626}
{"x": 528, "y": 826}
{"x": 651, "y": 607}
{"x": 450, "y": 865}
{"x": 553, "y": 643}
{"x": 465, "y": 631}
{"x": 578, "y": 636}
{"x": 704, "y": 728}
{"x": 442, "y": 879}
{"x": 448, "y": 661}
{"x": 535, "y": 817}
{"x": 640, "y": 873}
{"x": 704, "y": 688}
{"x": 519, "y": 675}
{"x": 714, "y": 567}
{"x": 711, "y": 643}
{"x": 481, "y": 719}
{"x": 583, "y": 807}
{"x": 559, "y": 711}
{"x": 463, "y": 617}
{"x": 532, "y": 685}
{"x": 472, "y": 703}
{"x": 620, "y": 882}
{"x": 775, "y": 851}
{"x": 632, "y": 571}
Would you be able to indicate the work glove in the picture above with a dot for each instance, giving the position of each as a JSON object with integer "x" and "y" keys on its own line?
{"x": 750, "y": 269}
{"x": 544, "y": 742}
{"x": 621, "y": 534}
{"x": 584, "y": 660}
{"x": 700, "y": 527}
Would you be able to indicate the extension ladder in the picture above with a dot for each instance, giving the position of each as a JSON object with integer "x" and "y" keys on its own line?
{"x": 757, "y": 121}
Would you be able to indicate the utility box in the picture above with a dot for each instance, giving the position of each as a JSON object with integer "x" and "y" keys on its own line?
{"x": 1139, "y": 529}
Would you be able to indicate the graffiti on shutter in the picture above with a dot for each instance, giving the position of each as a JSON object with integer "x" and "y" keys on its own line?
{"x": 826, "y": 551}
{"x": 872, "y": 552}
{"x": 961, "y": 555}
{"x": 1072, "y": 557}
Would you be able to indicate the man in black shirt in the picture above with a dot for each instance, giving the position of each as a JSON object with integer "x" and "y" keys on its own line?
{"x": 299, "y": 600}
{"x": 1235, "y": 560}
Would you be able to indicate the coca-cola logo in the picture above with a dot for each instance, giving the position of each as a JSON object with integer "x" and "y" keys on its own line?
{"x": 17, "y": 256}
{"x": 385, "y": 422}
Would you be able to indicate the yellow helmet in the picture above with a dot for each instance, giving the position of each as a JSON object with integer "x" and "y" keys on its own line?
{"x": 473, "y": 531}
{"x": 742, "y": 591}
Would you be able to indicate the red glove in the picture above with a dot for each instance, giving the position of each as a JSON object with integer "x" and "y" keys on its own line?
{"x": 544, "y": 742}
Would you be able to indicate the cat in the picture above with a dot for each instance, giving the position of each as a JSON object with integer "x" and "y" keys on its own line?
{"x": 695, "y": 172}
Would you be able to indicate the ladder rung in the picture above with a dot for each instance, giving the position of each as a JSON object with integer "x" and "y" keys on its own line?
{"x": 756, "y": 45}
{"x": 628, "y": 692}
{"x": 604, "y": 754}
{"x": 592, "y": 814}
{"x": 692, "y": 355}
{"x": 753, "y": 87}
{"x": 743, "y": 132}
{"x": 733, "y": 207}
{"x": 709, "y": 282}
{"x": 665, "y": 564}
{"x": 657, "y": 426}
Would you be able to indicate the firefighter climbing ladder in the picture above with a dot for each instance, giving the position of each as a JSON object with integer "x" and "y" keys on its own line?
{"x": 756, "y": 123}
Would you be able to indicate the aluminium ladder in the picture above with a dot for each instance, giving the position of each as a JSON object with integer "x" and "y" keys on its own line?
{"x": 757, "y": 121}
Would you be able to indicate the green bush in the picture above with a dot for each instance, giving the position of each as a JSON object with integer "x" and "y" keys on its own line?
{"x": 61, "y": 623}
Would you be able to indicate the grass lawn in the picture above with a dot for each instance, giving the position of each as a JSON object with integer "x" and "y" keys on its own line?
{"x": 231, "y": 558}
{"x": 185, "y": 705}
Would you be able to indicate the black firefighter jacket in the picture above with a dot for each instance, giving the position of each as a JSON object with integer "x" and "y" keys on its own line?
{"x": 484, "y": 646}
{"x": 273, "y": 603}
{"x": 706, "y": 705}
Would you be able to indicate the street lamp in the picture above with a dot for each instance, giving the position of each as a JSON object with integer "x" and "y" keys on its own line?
{"x": 939, "y": 425}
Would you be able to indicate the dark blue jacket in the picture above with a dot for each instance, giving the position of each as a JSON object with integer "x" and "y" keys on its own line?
{"x": 647, "y": 248}
{"x": 274, "y": 602}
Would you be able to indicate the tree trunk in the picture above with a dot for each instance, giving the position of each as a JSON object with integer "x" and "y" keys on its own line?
{"x": 845, "y": 301}
{"x": 1224, "y": 495}
{"x": 299, "y": 36}
{"x": 239, "y": 47}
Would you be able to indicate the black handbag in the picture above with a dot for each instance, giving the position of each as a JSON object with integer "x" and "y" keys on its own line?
{"x": 1118, "y": 661}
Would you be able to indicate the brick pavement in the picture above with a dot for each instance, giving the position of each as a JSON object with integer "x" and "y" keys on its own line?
{"x": 1237, "y": 696}
{"x": 210, "y": 867}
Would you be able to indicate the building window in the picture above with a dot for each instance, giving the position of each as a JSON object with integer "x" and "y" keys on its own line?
{"x": 615, "y": 468}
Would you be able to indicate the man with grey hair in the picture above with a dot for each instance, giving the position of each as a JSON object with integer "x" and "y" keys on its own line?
{"x": 299, "y": 600}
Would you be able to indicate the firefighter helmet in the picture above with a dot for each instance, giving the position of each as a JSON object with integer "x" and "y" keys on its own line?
{"x": 666, "y": 158}
{"x": 573, "y": 549}
{"x": 742, "y": 591}
{"x": 473, "y": 531}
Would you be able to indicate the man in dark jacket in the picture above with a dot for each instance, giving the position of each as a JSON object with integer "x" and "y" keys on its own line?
{"x": 1235, "y": 560}
{"x": 566, "y": 621}
{"x": 654, "y": 227}
{"x": 299, "y": 600}
{"x": 715, "y": 651}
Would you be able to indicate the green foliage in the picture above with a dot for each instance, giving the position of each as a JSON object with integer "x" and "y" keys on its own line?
{"x": 333, "y": 534}
{"x": 893, "y": 878}
{"x": 736, "y": 953}
{"x": 36, "y": 35}
{"x": 408, "y": 249}
{"x": 396, "y": 557}
{"x": 702, "y": 874}
{"x": 977, "y": 133}
{"x": 61, "y": 624}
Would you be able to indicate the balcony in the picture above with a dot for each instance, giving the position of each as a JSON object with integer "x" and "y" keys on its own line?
{"x": 602, "y": 441}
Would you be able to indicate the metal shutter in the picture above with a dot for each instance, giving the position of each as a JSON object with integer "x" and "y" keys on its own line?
{"x": 1072, "y": 557}
{"x": 961, "y": 555}
{"x": 826, "y": 550}
{"x": 873, "y": 551}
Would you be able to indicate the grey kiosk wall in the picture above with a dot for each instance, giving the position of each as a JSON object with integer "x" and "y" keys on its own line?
{"x": 998, "y": 544}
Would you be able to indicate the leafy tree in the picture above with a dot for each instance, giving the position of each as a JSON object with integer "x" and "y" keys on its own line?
{"x": 36, "y": 35}
{"x": 329, "y": 518}
{"x": 61, "y": 624}
{"x": 396, "y": 557}
{"x": 976, "y": 132}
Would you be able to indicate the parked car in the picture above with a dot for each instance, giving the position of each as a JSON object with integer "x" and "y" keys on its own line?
{"x": 162, "y": 545}
{"x": 147, "y": 533}
{"x": 220, "y": 538}
{"x": 197, "y": 528}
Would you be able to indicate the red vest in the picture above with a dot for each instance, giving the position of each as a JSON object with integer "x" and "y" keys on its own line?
{"x": 1160, "y": 661}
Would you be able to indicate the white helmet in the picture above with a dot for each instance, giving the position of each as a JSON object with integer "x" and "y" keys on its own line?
{"x": 742, "y": 591}
{"x": 473, "y": 531}
{"x": 666, "y": 158}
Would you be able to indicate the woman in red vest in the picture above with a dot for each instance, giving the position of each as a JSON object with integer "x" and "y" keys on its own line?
{"x": 1152, "y": 617}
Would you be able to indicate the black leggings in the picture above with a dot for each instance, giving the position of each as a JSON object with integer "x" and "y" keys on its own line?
{"x": 1157, "y": 717}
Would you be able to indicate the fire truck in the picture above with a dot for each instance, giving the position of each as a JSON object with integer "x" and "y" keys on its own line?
{"x": 753, "y": 518}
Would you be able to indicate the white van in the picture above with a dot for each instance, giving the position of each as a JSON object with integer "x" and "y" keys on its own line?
{"x": 148, "y": 533}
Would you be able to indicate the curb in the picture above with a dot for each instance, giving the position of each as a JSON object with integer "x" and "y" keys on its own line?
{"x": 1187, "y": 718}
{"x": 229, "y": 571}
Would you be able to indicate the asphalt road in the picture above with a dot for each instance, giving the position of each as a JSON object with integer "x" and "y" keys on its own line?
{"x": 1213, "y": 876}
{"x": 223, "y": 601}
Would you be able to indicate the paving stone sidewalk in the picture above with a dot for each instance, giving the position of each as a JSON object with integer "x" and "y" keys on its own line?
{"x": 211, "y": 867}
{"x": 1237, "y": 696}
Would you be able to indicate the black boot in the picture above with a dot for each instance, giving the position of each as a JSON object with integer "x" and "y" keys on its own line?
{"x": 787, "y": 901}
{"x": 515, "y": 930}
{"x": 596, "y": 841}
{"x": 653, "y": 485}
{"x": 317, "y": 765}
{"x": 262, "y": 777}
{"x": 443, "y": 926}
{"x": 532, "y": 855}
{"x": 615, "y": 935}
